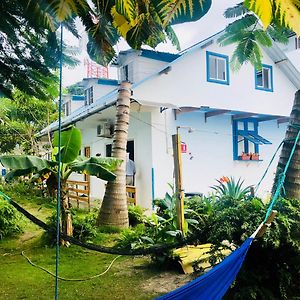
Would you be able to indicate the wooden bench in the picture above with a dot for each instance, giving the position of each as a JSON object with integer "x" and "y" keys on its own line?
{"x": 79, "y": 191}
{"x": 131, "y": 194}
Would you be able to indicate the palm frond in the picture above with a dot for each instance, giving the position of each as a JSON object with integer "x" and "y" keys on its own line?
{"x": 127, "y": 8}
{"x": 236, "y": 11}
{"x": 263, "y": 9}
{"x": 180, "y": 11}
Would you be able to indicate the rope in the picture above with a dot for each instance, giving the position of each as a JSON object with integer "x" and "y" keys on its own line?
{"x": 268, "y": 167}
{"x": 70, "y": 279}
{"x": 158, "y": 248}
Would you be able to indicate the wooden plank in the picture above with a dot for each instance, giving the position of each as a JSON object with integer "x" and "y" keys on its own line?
{"x": 131, "y": 194}
{"x": 84, "y": 183}
{"x": 74, "y": 197}
{"x": 79, "y": 190}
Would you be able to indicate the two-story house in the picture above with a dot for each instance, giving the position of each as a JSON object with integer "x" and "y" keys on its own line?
{"x": 230, "y": 122}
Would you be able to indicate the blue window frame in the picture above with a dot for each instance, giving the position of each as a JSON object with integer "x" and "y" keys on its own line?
{"x": 264, "y": 78}
{"x": 217, "y": 68}
{"x": 246, "y": 140}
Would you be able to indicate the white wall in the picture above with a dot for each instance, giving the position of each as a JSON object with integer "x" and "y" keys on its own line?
{"x": 211, "y": 150}
{"x": 140, "y": 132}
{"x": 186, "y": 85}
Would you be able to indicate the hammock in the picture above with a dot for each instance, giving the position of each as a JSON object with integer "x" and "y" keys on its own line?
{"x": 213, "y": 284}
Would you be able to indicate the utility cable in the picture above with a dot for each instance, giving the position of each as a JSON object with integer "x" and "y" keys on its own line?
{"x": 70, "y": 279}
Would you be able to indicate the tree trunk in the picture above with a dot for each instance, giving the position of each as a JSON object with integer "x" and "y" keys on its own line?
{"x": 114, "y": 209}
{"x": 292, "y": 179}
{"x": 66, "y": 217}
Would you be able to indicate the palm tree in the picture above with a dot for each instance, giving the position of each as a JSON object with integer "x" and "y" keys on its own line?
{"x": 292, "y": 179}
{"x": 114, "y": 206}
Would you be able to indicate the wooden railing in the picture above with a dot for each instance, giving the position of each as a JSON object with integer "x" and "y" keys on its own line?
{"x": 131, "y": 194}
{"x": 79, "y": 191}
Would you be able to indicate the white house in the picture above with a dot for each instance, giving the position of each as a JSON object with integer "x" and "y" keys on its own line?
{"x": 219, "y": 113}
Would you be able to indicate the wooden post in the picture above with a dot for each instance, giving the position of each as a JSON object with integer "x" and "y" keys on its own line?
{"x": 266, "y": 225}
{"x": 178, "y": 180}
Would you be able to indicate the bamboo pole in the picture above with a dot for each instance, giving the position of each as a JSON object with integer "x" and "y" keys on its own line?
{"x": 178, "y": 180}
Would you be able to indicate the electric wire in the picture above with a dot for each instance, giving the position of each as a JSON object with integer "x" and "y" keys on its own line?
{"x": 70, "y": 279}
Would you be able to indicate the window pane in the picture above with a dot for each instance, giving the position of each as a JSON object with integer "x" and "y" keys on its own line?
{"x": 259, "y": 79}
{"x": 266, "y": 78}
{"x": 221, "y": 69}
{"x": 241, "y": 126}
{"x": 250, "y": 126}
{"x": 212, "y": 67}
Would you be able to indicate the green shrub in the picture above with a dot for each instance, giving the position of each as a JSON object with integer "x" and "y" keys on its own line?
{"x": 231, "y": 189}
{"x": 84, "y": 227}
{"x": 136, "y": 215}
{"x": 9, "y": 220}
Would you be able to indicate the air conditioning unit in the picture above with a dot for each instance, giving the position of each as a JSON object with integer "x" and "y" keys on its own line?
{"x": 105, "y": 129}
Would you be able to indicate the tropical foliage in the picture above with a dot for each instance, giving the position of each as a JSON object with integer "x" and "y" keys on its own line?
{"x": 43, "y": 169}
{"x": 249, "y": 35}
{"x": 139, "y": 22}
{"x": 22, "y": 119}
{"x": 9, "y": 220}
{"x": 29, "y": 48}
{"x": 231, "y": 189}
{"x": 285, "y": 12}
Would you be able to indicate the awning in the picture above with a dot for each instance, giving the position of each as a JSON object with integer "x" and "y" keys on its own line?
{"x": 255, "y": 138}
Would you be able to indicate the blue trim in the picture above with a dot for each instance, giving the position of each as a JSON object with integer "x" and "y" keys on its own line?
{"x": 257, "y": 87}
{"x": 161, "y": 56}
{"x": 251, "y": 136}
{"x": 152, "y": 187}
{"x": 105, "y": 81}
{"x": 214, "y": 80}
{"x": 78, "y": 98}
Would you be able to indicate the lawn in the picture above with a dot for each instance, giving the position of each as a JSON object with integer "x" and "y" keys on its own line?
{"x": 128, "y": 278}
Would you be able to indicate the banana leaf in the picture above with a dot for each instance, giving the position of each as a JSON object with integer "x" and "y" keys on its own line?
{"x": 21, "y": 165}
{"x": 70, "y": 144}
{"x": 99, "y": 167}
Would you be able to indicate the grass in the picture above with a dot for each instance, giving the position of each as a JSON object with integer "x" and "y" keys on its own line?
{"x": 128, "y": 278}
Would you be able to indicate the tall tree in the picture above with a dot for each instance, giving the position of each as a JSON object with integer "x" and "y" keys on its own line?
{"x": 114, "y": 206}
{"x": 292, "y": 179}
{"x": 22, "y": 119}
{"x": 29, "y": 48}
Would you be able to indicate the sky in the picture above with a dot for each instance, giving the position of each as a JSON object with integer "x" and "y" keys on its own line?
{"x": 188, "y": 35}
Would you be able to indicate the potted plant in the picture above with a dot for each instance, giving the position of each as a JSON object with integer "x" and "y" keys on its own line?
{"x": 244, "y": 156}
{"x": 254, "y": 156}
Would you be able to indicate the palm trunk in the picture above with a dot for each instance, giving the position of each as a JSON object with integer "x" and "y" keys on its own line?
{"x": 114, "y": 209}
{"x": 66, "y": 217}
{"x": 292, "y": 179}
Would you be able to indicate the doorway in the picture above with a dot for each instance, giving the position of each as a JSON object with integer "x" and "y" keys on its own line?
{"x": 129, "y": 149}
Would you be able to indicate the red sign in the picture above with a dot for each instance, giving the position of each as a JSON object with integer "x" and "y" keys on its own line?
{"x": 183, "y": 147}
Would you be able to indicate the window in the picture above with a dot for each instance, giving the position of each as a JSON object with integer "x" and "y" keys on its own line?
{"x": 88, "y": 96}
{"x": 67, "y": 108}
{"x": 264, "y": 78}
{"x": 246, "y": 140}
{"x": 217, "y": 66}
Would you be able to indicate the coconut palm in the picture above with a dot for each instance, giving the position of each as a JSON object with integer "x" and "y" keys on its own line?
{"x": 292, "y": 179}
{"x": 114, "y": 206}
{"x": 20, "y": 165}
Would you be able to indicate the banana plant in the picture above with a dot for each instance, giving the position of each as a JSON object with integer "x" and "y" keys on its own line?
{"x": 70, "y": 161}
